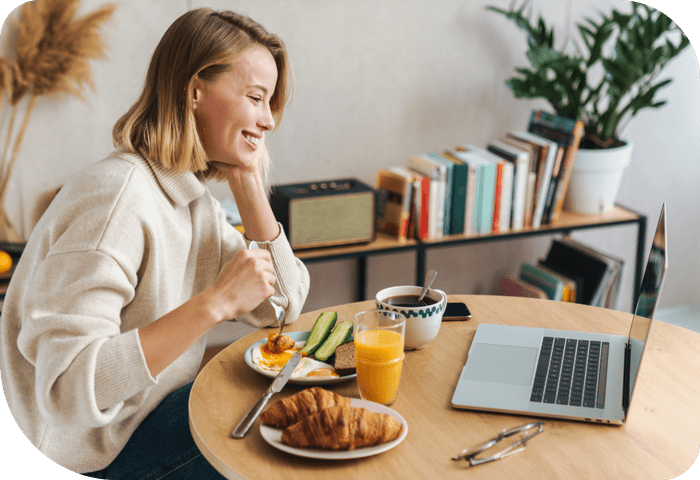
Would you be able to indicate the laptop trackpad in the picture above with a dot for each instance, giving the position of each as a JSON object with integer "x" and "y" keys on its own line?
{"x": 501, "y": 364}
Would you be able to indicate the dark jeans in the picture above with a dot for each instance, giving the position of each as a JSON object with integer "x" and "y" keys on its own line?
{"x": 161, "y": 447}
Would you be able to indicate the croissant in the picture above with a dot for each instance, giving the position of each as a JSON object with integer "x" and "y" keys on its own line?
{"x": 342, "y": 428}
{"x": 290, "y": 410}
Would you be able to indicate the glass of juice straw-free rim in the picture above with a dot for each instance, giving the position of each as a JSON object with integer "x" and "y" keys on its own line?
{"x": 379, "y": 341}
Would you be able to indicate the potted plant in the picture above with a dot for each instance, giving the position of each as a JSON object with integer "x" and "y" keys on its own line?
{"x": 604, "y": 80}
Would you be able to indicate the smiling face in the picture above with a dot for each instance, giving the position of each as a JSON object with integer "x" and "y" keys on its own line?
{"x": 233, "y": 111}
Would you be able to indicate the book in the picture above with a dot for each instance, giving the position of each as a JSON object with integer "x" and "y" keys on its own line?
{"x": 606, "y": 296}
{"x": 533, "y": 151}
{"x": 503, "y": 188}
{"x": 393, "y": 202}
{"x": 412, "y": 210}
{"x": 545, "y": 164}
{"x": 598, "y": 270}
{"x": 419, "y": 219}
{"x": 576, "y": 281}
{"x": 568, "y": 134}
{"x": 437, "y": 174}
{"x": 552, "y": 285}
{"x": 520, "y": 160}
{"x": 460, "y": 173}
{"x": 484, "y": 188}
{"x": 570, "y": 285}
{"x": 503, "y": 205}
{"x": 470, "y": 193}
{"x": 447, "y": 202}
{"x": 514, "y": 287}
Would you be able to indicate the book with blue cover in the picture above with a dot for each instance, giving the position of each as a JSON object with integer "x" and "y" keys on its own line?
{"x": 460, "y": 174}
{"x": 552, "y": 285}
{"x": 484, "y": 191}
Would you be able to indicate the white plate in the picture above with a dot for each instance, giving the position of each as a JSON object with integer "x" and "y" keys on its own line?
{"x": 273, "y": 436}
{"x": 297, "y": 337}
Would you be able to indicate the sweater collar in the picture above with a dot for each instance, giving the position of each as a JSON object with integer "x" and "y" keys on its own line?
{"x": 182, "y": 187}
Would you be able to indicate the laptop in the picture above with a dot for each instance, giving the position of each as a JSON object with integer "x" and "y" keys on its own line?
{"x": 564, "y": 374}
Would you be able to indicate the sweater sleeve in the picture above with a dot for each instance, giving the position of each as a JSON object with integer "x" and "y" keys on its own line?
{"x": 292, "y": 277}
{"x": 86, "y": 367}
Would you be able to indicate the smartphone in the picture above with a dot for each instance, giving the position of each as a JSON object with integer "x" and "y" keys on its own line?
{"x": 456, "y": 311}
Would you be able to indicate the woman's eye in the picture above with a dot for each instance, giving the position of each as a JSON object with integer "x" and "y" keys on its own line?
{"x": 255, "y": 99}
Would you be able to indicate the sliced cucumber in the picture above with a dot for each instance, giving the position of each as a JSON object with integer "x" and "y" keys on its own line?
{"x": 319, "y": 332}
{"x": 340, "y": 334}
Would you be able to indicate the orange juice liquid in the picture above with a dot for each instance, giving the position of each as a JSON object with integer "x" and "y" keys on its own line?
{"x": 379, "y": 358}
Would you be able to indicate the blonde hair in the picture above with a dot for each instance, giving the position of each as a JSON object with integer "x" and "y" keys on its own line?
{"x": 202, "y": 43}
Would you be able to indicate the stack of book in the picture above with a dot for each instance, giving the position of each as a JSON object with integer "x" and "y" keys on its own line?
{"x": 518, "y": 181}
{"x": 571, "y": 272}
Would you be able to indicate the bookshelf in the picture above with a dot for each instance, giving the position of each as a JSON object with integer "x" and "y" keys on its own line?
{"x": 568, "y": 222}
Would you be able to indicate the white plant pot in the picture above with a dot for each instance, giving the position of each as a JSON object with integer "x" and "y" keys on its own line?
{"x": 595, "y": 180}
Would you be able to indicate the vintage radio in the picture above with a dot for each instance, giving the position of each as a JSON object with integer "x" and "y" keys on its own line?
{"x": 327, "y": 213}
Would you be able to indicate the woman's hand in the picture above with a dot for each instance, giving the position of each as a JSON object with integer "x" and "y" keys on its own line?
{"x": 257, "y": 167}
{"x": 250, "y": 193}
{"x": 243, "y": 284}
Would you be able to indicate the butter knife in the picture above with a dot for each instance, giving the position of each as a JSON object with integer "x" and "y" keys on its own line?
{"x": 279, "y": 382}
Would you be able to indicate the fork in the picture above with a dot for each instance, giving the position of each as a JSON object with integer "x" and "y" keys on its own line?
{"x": 279, "y": 311}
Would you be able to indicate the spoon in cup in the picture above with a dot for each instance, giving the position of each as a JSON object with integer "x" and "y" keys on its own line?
{"x": 426, "y": 285}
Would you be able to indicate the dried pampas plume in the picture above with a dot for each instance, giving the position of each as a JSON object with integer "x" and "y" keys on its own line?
{"x": 54, "y": 50}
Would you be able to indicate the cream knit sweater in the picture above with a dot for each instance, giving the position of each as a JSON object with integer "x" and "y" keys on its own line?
{"x": 123, "y": 243}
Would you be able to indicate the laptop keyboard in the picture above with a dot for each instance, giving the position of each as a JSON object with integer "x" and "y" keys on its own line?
{"x": 571, "y": 372}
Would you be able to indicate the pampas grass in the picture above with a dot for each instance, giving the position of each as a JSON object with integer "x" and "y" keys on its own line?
{"x": 54, "y": 50}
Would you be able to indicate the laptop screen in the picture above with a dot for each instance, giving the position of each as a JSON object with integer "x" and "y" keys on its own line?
{"x": 649, "y": 292}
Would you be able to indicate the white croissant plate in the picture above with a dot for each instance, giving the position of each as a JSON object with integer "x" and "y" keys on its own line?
{"x": 273, "y": 436}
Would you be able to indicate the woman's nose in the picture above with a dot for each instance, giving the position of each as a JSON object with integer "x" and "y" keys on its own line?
{"x": 267, "y": 121}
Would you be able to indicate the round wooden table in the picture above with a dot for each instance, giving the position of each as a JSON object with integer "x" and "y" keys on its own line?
{"x": 660, "y": 439}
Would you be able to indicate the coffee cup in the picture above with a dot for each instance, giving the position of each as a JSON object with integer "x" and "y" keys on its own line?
{"x": 422, "y": 321}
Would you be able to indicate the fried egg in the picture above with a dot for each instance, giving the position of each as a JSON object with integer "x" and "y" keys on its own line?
{"x": 273, "y": 362}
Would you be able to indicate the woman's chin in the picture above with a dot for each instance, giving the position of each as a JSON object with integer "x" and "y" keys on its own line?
{"x": 222, "y": 167}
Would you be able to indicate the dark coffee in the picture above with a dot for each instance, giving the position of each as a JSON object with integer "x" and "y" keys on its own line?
{"x": 408, "y": 301}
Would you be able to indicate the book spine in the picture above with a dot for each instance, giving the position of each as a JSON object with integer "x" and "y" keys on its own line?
{"x": 424, "y": 210}
{"x": 470, "y": 202}
{"x": 393, "y": 199}
{"x": 507, "y": 197}
{"x": 516, "y": 169}
{"x": 530, "y": 198}
{"x": 447, "y": 173}
{"x": 553, "y": 182}
{"x": 567, "y": 169}
{"x": 544, "y": 176}
{"x": 498, "y": 191}
{"x": 567, "y": 133}
{"x": 488, "y": 197}
{"x": 459, "y": 193}
{"x": 551, "y": 285}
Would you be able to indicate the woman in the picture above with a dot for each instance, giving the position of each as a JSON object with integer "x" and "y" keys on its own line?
{"x": 104, "y": 323}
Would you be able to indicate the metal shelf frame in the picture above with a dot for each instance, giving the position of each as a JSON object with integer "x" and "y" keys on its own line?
{"x": 625, "y": 216}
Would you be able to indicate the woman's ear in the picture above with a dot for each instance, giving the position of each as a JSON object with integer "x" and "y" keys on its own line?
{"x": 197, "y": 92}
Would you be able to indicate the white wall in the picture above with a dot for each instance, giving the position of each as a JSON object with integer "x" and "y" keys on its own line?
{"x": 376, "y": 82}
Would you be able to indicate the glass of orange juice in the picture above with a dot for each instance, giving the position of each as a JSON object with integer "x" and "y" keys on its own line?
{"x": 379, "y": 337}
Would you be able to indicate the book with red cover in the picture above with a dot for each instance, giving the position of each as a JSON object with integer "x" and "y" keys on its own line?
{"x": 421, "y": 203}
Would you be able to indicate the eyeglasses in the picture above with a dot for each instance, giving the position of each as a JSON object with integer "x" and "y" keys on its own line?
{"x": 528, "y": 431}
